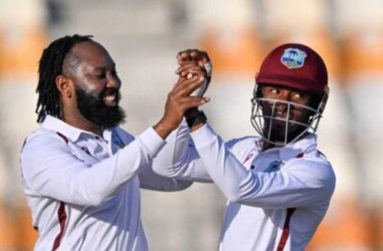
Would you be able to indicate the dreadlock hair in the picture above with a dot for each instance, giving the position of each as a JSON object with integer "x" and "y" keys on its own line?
{"x": 50, "y": 66}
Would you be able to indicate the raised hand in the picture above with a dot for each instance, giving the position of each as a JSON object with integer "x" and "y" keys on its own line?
{"x": 190, "y": 60}
{"x": 179, "y": 101}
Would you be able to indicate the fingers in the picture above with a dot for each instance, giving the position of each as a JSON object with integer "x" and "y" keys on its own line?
{"x": 189, "y": 60}
{"x": 192, "y": 68}
{"x": 184, "y": 56}
{"x": 186, "y": 103}
{"x": 186, "y": 66}
{"x": 193, "y": 77}
{"x": 177, "y": 103}
{"x": 189, "y": 71}
{"x": 201, "y": 57}
{"x": 185, "y": 86}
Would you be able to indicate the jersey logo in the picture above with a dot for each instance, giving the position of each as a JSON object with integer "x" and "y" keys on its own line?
{"x": 274, "y": 166}
{"x": 293, "y": 58}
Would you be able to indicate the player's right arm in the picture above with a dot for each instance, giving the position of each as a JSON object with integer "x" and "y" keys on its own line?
{"x": 51, "y": 169}
{"x": 179, "y": 159}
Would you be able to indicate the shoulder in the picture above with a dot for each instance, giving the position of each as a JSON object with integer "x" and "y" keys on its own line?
{"x": 247, "y": 141}
{"x": 123, "y": 134}
{"x": 44, "y": 136}
{"x": 313, "y": 166}
{"x": 242, "y": 147}
{"x": 42, "y": 143}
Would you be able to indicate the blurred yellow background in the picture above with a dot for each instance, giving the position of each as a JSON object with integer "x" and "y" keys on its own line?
{"x": 144, "y": 36}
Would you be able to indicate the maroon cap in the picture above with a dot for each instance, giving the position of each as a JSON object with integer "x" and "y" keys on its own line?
{"x": 296, "y": 66}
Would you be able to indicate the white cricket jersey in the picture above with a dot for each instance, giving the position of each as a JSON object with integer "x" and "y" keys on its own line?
{"x": 82, "y": 193}
{"x": 276, "y": 197}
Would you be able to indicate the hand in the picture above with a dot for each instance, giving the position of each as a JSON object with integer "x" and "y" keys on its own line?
{"x": 178, "y": 102}
{"x": 199, "y": 59}
{"x": 194, "y": 62}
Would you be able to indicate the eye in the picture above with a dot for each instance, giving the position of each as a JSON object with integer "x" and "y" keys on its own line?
{"x": 99, "y": 74}
{"x": 273, "y": 90}
{"x": 114, "y": 72}
{"x": 298, "y": 95}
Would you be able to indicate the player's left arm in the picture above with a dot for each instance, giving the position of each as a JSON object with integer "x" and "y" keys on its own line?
{"x": 300, "y": 183}
{"x": 150, "y": 180}
{"x": 176, "y": 166}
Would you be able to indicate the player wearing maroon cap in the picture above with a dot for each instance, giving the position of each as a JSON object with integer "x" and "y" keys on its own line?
{"x": 278, "y": 184}
{"x": 300, "y": 70}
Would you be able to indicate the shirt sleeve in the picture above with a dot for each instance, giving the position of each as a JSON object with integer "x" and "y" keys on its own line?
{"x": 301, "y": 183}
{"x": 179, "y": 158}
{"x": 150, "y": 180}
{"x": 50, "y": 169}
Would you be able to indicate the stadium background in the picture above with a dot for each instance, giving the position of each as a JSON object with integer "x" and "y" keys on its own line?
{"x": 144, "y": 36}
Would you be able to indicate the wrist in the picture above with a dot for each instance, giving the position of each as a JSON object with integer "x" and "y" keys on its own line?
{"x": 196, "y": 119}
{"x": 162, "y": 129}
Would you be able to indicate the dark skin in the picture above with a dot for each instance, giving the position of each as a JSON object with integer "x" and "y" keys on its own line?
{"x": 96, "y": 70}
{"x": 194, "y": 57}
{"x": 191, "y": 63}
{"x": 190, "y": 60}
{"x": 296, "y": 113}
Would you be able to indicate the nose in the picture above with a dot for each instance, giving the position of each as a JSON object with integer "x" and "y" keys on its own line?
{"x": 281, "y": 108}
{"x": 113, "y": 82}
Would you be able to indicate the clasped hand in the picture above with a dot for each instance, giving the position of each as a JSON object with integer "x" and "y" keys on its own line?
{"x": 194, "y": 73}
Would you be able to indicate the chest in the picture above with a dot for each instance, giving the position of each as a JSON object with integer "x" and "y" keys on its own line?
{"x": 93, "y": 150}
{"x": 263, "y": 162}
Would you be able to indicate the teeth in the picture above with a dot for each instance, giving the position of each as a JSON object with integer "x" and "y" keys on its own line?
{"x": 110, "y": 98}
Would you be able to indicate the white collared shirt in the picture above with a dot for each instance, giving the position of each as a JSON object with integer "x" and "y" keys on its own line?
{"x": 84, "y": 194}
{"x": 276, "y": 198}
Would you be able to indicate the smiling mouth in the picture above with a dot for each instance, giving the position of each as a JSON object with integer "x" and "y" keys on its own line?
{"x": 110, "y": 100}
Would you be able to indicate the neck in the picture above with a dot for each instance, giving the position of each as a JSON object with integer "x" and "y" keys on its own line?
{"x": 276, "y": 143}
{"x": 77, "y": 120}
{"x": 267, "y": 145}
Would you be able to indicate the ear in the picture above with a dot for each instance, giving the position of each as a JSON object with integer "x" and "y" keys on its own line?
{"x": 64, "y": 86}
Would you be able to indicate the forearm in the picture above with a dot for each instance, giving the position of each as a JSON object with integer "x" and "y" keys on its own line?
{"x": 178, "y": 158}
{"x": 221, "y": 165}
{"x": 150, "y": 180}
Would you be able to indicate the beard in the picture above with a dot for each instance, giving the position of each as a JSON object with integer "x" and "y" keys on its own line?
{"x": 283, "y": 127}
{"x": 277, "y": 131}
{"x": 96, "y": 111}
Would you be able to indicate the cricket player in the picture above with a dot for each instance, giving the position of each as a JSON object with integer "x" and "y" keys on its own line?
{"x": 278, "y": 184}
{"x": 81, "y": 171}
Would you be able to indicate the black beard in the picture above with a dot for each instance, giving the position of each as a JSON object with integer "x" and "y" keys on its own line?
{"x": 278, "y": 134}
{"x": 94, "y": 109}
{"x": 278, "y": 130}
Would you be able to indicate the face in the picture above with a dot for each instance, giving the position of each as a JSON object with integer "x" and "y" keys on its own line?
{"x": 96, "y": 83}
{"x": 284, "y": 114}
